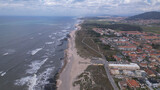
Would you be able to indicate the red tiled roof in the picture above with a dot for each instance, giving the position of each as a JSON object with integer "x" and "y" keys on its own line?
{"x": 131, "y": 32}
{"x": 143, "y": 64}
{"x": 149, "y": 72}
{"x": 132, "y": 83}
{"x": 117, "y": 58}
{"x": 150, "y": 37}
{"x": 127, "y": 46}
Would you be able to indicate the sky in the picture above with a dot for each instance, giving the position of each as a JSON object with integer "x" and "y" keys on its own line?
{"x": 76, "y": 7}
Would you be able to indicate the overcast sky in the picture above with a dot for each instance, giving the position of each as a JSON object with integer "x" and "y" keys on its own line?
{"x": 76, "y": 7}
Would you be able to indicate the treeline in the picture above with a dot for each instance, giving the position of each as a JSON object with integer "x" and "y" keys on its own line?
{"x": 122, "y": 27}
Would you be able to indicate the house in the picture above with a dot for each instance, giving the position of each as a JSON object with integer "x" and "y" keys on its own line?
{"x": 132, "y": 83}
{"x": 98, "y": 30}
{"x": 122, "y": 43}
{"x": 152, "y": 59}
{"x": 127, "y": 48}
{"x": 117, "y": 58}
{"x": 132, "y": 55}
{"x": 114, "y": 71}
{"x": 153, "y": 64}
{"x": 128, "y": 73}
{"x": 150, "y": 37}
{"x": 150, "y": 72}
{"x": 126, "y": 53}
{"x": 144, "y": 65}
{"x": 140, "y": 73}
{"x": 134, "y": 33}
{"x": 157, "y": 54}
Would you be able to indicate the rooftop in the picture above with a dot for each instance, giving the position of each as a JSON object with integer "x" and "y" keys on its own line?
{"x": 132, "y": 83}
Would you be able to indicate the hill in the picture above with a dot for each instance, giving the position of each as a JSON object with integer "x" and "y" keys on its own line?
{"x": 145, "y": 16}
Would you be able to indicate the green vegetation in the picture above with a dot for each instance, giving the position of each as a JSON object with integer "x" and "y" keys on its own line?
{"x": 93, "y": 78}
{"x": 122, "y": 27}
{"x": 153, "y": 29}
{"x": 145, "y": 16}
{"x": 100, "y": 22}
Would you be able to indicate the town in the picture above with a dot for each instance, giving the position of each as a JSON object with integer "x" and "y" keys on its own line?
{"x": 137, "y": 63}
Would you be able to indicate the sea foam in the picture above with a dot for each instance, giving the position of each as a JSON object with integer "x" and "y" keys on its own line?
{"x": 8, "y": 51}
{"x": 2, "y": 73}
{"x": 22, "y": 81}
{"x": 43, "y": 77}
{"x": 35, "y": 82}
{"x": 35, "y": 66}
{"x": 33, "y": 52}
{"x": 49, "y": 42}
{"x": 39, "y": 33}
{"x": 32, "y": 82}
{"x": 5, "y": 54}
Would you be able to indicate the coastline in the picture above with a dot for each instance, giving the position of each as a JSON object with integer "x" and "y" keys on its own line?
{"x": 71, "y": 68}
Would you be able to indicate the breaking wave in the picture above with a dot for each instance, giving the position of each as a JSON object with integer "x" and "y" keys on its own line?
{"x": 35, "y": 66}
{"x": 35, "y": 82}
{"x": 33, "y": 52}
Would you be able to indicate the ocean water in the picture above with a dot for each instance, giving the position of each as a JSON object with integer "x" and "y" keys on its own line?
{"x": 31, "y": 49}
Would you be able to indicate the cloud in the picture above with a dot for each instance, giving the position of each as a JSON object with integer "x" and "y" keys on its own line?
{"x": 77, "y": 7}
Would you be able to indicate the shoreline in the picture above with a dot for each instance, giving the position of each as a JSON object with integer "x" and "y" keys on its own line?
{"x": 65, "y": 53}
{"x": 71, "y": 68}
{"x": 77, "y": 27}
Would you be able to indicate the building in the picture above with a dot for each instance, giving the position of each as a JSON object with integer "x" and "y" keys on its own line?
{"x": 117, "y": 58}
{"x": 99, "y": 30}
{"x": 140, "y": 73}
{"x": 131, "y": 66}
{"x": 114, "y": 71}
{"x": 122, "y": 43}
{"x": 132, "y": 83}
{"x": 127, "y": 48}
{"x": 134, "y": 33}
{"x": 128, "y": 73}
{"x": 150, "y": 72}
{"x": 144, "y": 65}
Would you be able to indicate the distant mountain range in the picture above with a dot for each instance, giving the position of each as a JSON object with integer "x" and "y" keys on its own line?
{"x": 145, "y": 16}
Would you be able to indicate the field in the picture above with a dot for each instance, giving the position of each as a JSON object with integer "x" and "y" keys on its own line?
{"x": 91, "y": 38}
{"x": 153, "y": 29}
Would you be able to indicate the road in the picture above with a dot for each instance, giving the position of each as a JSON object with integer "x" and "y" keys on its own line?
{"x": 109, "y": 76}
{"x": 105, "y": 66}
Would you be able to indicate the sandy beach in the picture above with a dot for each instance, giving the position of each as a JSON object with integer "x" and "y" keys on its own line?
{"x": 72, "y": 68}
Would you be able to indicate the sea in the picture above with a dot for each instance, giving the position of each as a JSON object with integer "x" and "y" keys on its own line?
{"x": 32, "y": 50}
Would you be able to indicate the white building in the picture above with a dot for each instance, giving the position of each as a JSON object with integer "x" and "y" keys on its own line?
{"x": 131, "y": 66}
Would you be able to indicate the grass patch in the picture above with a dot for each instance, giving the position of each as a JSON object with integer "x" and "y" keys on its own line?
{"x": 93, "y": 78}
